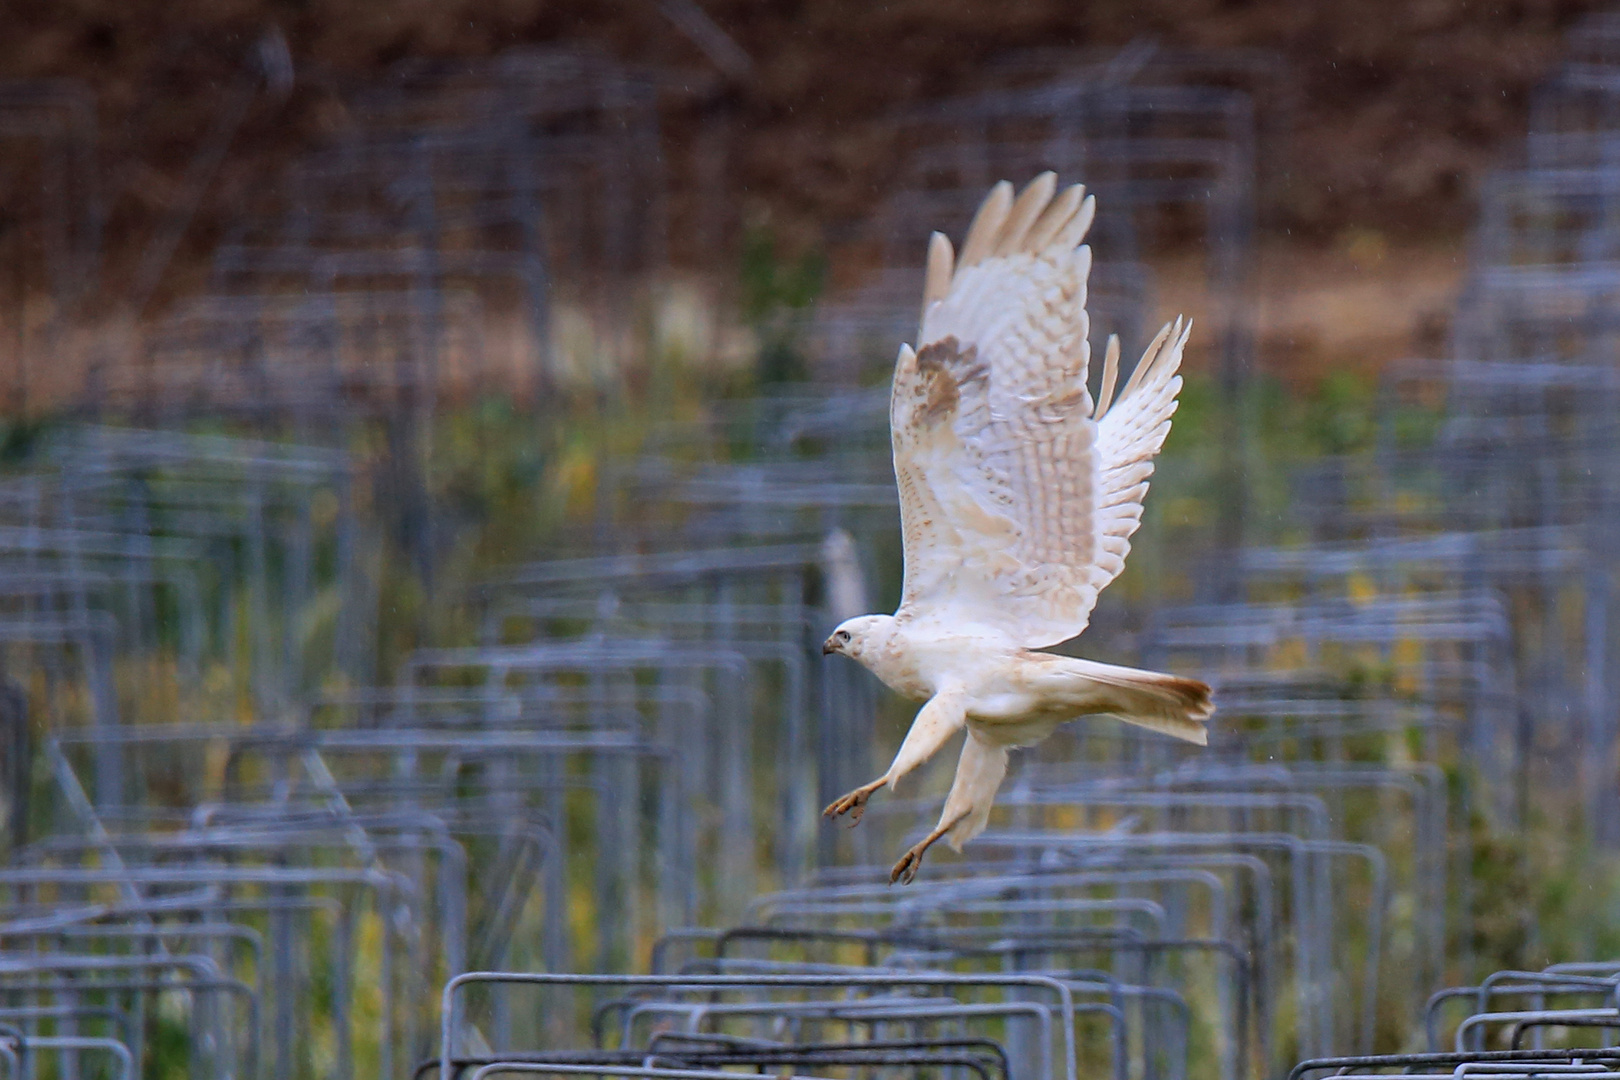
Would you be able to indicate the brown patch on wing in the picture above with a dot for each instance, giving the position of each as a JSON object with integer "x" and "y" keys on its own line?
{"x": 943, "y": 366}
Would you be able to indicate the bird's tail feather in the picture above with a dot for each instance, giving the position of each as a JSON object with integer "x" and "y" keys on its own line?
{"x": 1169, "y": 704}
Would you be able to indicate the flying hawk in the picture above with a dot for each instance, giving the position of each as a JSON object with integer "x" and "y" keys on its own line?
{"x": 1018, "y": 498}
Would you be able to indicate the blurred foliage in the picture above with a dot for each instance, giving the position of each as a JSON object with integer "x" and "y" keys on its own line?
{"x": 776, "y": 296}
{"x": 1341, "y": 413}
{"x": 1268, "y": 434}
{"x": 510, "y": 482}
{"x": 21, "y": 438}
{"x": 1542, "y": 895}
{"x": 168, "y": 1048}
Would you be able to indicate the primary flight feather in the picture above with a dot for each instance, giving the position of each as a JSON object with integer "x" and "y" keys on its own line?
{"x": 1018, "y": 498}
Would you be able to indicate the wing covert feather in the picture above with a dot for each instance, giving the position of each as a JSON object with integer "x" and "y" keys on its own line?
{"x": 1017, "y": 502}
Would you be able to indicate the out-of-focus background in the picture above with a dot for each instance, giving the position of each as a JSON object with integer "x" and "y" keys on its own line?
{"x": 435, "y": 439}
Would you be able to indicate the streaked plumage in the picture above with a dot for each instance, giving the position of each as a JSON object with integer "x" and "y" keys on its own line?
{"x": 1018, "y": 498}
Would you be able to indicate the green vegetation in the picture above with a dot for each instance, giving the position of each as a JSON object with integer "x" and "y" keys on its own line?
{"x": 509, "y": 483}
{"x": 776, "y": 296}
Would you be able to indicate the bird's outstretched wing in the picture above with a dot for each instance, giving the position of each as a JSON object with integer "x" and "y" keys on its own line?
{"x": 1018, "y": 496}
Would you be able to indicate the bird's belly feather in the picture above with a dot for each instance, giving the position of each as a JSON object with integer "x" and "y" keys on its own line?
{"x": 1006, "y": 706}
{"x": 1024, "y": 730}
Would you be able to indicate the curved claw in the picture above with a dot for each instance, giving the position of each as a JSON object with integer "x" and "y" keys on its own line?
{"x": 855, "y": 800}
{"x": 905, "y": 871}
{"x": 854, "y": 804}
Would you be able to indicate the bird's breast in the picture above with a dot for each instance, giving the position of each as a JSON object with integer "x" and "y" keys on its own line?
{"x": 919, "y": 665}
{"x": 900, "y": 672}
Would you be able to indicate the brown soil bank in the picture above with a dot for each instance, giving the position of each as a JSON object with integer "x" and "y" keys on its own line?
{"x": 1394, "y": 110}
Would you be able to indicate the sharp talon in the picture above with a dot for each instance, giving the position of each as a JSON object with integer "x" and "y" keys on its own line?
{"x": 853, "y": 803}
{"x": 906, "y": 869}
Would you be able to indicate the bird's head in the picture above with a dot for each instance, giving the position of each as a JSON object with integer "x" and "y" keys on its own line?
{"x": 854, "y": 636}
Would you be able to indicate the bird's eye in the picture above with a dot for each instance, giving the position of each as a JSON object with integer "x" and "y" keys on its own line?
{"x": 843, "y": 635}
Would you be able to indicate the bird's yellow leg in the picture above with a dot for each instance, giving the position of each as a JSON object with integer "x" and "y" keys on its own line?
{"x": 942, "y": 717}
{"x": 906, "y": 869}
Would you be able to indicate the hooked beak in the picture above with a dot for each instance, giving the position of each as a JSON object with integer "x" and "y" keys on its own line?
{"x": 829, "y": 647}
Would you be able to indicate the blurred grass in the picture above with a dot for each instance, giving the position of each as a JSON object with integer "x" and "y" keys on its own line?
{"x": 511, "y": 482}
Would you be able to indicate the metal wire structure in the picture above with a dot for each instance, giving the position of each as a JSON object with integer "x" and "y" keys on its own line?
{"x": 1508, "y": 491}
{"x": 525, "y": 193}
{"x": 574, "y": 828}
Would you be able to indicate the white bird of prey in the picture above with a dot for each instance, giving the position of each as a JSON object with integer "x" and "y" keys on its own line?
{"x": 1018, "y": 498}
